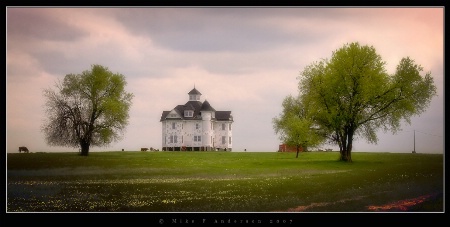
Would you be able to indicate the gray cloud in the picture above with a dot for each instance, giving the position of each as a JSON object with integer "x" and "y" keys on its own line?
{"x": 28, "y": 24}
{"x": 210, "y": 30}
{"x": 242, "y": 59}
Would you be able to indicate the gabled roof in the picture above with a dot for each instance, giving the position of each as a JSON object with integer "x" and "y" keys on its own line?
{"x": 191, "y": 105}
{"x": 188, "y": 106}
{"x": 196, "y": 105}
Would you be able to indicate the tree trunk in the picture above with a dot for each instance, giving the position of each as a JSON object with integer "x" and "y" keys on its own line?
{"x": 347, "y": 142}
{"x": 350, "y": 145}
{"x": 84, "y": 148}
{"x": 298, "y": 150}
{"x": 85, "y": 141}
{"x": 343, "y": 146}
{"x": 338, "y": 138}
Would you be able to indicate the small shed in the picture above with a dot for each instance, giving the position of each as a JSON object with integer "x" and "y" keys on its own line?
{"x": 286, "y": 148}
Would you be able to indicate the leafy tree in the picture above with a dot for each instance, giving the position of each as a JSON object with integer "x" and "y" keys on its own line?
{"x": 352, "y": 95}
{"x": 90, "y": 108}
{"x": 295, "y": 128}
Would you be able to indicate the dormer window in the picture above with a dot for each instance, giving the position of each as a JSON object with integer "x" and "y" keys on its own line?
{"x": 188, "y": 113}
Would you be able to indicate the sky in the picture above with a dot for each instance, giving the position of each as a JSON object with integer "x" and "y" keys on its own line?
{"x": 242, "y": 59}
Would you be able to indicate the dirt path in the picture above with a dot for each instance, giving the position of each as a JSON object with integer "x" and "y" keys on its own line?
{"x": 404, "y": 205}
{"x": 398, "y": 206}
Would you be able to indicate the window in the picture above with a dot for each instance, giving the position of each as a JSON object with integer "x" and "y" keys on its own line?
{"x": 223, "y": 126}
{"x": 173, "y": 125}
{"x": 229, "y": 126}
{"x": 175, "y": 139}
{"x": 171, "y": 139}
{"x": 229, "y": 140}
{"x": 197, "y": 126}
{"x": 223, "y": 139}
{"x": 188, "y": 113}
{"x": 197, "y": 138}
{"x": 194, "y": 97}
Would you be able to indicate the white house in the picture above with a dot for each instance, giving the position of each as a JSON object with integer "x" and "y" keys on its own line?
{"x": 196, "y": 126}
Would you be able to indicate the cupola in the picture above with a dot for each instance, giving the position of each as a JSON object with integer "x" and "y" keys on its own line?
{"x": 194, "y": 95}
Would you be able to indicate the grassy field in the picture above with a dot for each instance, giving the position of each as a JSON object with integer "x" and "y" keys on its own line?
{"x": 224, "y": 182}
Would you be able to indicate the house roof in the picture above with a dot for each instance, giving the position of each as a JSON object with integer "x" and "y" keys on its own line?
{"x": 207, "y": 107}
{"x": 194, "y": 92}
{"x": 224, "y": 116}
{"x": 191, "y": 105}
{"x": 197, "y": 107}
{"x": 164, "y": 115}
{"x": 188, "y": 106}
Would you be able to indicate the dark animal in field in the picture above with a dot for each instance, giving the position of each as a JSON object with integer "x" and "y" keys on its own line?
{"x": 24, "y": 149}
{"x": 144, "y": 149}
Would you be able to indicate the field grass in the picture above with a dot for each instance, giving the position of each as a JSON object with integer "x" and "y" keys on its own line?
{"x": 224, "y": 182}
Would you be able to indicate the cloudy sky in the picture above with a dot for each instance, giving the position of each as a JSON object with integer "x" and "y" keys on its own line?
{"x": 246, "y": 60}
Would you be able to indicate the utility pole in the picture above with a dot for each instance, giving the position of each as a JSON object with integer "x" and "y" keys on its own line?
{"x": 414, "y": 151}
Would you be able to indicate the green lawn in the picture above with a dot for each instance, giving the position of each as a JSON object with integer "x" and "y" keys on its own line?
{"x": 224, "y": 182}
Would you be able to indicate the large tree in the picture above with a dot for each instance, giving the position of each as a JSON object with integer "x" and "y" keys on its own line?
{"x": 294, "y": 126}
{"x": 352, "y": 94}
{"x": 89, "y": 109}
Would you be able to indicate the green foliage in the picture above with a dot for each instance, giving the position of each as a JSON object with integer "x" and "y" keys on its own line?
{"x": 91, "y": 109}
{"x": 352, "y": 95}
{"x": 220, "y": 182}
{"x": 294, "y": 126}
